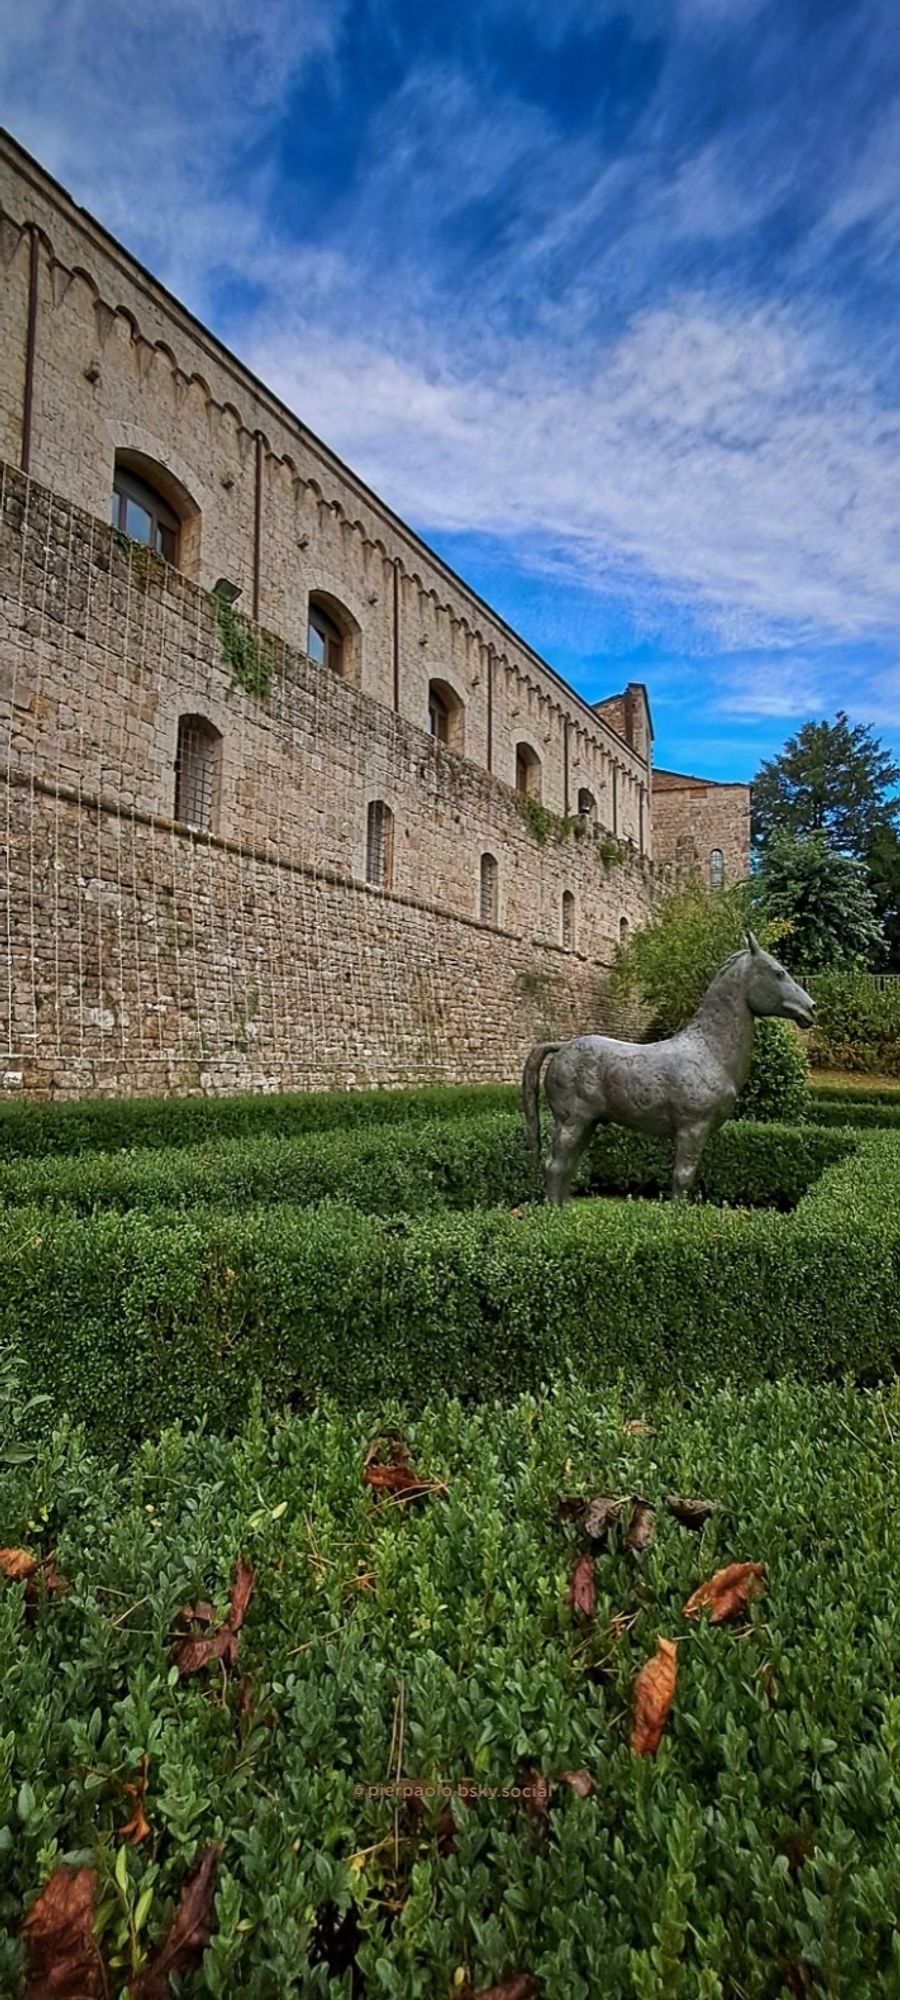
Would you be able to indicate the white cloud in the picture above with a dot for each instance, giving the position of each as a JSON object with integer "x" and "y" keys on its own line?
{"x": 168, "y": 98}
{"x": 716, "y": 453}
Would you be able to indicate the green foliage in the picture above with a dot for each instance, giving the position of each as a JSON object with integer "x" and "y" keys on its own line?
{"x": 542, "y": 824}
{"x": 669, "y": 964}
{"x": 132, "y": 1320}
{"x": 609, "y": 851}
{"x": 15, "y": 1411}
{"x": 832, "y": 778}
{"x": 777, "y": 1086}
{"x": 824, "y": 899}
{"x": 754, "y": 1856}
{"x": 247, "y": 650}
{"x": 857, "y": 1023}
{"x": 30, "y": 1131}
{"x": 480, "y": 1162}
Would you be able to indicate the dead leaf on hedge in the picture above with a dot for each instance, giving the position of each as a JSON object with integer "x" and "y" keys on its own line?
{"x": 538, "y": 1795}
{"x": 691, "y": 1513}
{"x": 17, "y": 1565}
{"x": 638, "y": 1428}
{"x": 641, "y": 1526}
{"x": 61, "y": 1955}
{"x": 728, "y": 1592}
{"x": 654, "y": 1693}
{"x": 188, "y": 1935}
{"x": 137, "y": 1827}
{"x": 600, "y": 1516}
{"x": 583, "y": 1588}
{"x": 197, "y": 1614}
{"x": 200, "y": 1650}
{"x": 580, "y": 1782}
{"x": 397, "y": 1478}
{"x": 20, "y": 1566}
{"x": 520, "y": 1987}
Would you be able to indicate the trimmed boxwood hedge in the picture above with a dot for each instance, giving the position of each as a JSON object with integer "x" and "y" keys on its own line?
{"x": 32, "y": 1131}
{"x": 478, "y": 1162}
{"x": 756, "y": 1855}
{"x": 131, "y": 1322}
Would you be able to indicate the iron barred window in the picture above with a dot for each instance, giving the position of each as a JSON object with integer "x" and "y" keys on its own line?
{"x": 488, "y": 897}
{"x": 379, "y": 845}
{"x": 197, "y": 773}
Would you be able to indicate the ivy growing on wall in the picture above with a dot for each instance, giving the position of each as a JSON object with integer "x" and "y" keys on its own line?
{"x": 247, "y": 650}
{"x": 542, "y": 824}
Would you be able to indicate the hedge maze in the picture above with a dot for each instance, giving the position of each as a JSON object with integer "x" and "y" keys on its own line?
{"x": 347, "y": 1536}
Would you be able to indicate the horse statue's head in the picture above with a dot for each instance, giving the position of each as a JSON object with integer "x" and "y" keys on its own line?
{"x": 769, "y": 989}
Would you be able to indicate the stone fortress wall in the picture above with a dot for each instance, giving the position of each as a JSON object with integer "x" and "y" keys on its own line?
{"x": 142, "y": 954}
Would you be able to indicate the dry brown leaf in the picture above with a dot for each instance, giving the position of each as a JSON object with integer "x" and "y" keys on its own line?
{"x": 639, "y": 1533}
{"x": 197, "y": 1614}
{"x": 137, "y": 1827}
{"x": 583, "y": 1588}
{"x": 242, "y": 1588}
{"x": 539, "y": 1793}
{"x": 727, "y": 1593}
{"x": 691, "y": 1513}
{"x": 61, "y": 1955}
{"x": 654, "y": 1693}
{"x": 580, "y": 1781}
{"x": 638, "y": 1428}
{"x": 400, "y": 1481}
{"x": 188, "y": 1934}
{"x": 600, "y": 1516}
{"x": 201, "y": 1649}
{"x": 20, "y": 1566}
{"x": 520, "y": 1987}
{"x": 17, "y": 1565}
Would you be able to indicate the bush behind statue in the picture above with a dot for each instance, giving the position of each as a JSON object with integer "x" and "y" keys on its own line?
{"x": 669, "y": 964}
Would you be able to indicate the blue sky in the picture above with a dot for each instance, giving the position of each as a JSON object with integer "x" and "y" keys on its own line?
{"x": 601, "y": 295}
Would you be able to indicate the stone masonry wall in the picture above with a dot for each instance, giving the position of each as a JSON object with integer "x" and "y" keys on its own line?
{"x": 120, "y": 366}
{"x": 142, "y": 956}
{"x": 691, "y": 818}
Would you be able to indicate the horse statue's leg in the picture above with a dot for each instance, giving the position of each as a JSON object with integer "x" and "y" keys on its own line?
{"x": 689, "y": 1145}
{"x": 569, "y": 1140}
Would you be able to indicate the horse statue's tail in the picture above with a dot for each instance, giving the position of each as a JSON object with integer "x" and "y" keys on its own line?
{"x": 531, "y": 1078}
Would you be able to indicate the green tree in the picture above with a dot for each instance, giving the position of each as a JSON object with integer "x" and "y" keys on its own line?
{"x": 669, "y": 963}
{"x": 832, "y": 777}
{"x": 823, "y": 899}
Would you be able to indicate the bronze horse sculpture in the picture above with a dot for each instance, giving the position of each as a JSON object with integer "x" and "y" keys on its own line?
{"x": 681, "y": 1088}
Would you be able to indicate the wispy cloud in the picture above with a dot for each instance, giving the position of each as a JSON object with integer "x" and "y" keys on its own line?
{"x": 609, "y": 287}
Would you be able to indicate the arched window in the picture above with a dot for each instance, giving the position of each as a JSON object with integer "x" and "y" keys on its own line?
{"x": 446, "y": 715}
{"x": 568, "y": 920}
{"x": 716, "y": 869}
{"x": 528, "y": 770}
{"x": 379, "y": 845}
{"x": 587, "y": 804}
{"x": 623, "y": 931}
{"x": 325, "y": 640}
{"x": 140, "y": 512}
{"x": 487, "y": 905}
{"x": 197, "y": 772}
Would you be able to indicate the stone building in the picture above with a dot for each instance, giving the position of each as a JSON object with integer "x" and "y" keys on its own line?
{"x": 287, "y": 804}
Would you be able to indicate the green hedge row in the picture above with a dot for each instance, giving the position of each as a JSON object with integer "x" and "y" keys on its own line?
{"x": 852, "y": 1113}
{"x": 130, "y": 1323}
{"x": 857, "y": 1023}
{"x": 477, "y": 1162}
{"x": 856, "y": 1090}
{"x": 30, "y": 1131}
{"x": 754, "y": 1856}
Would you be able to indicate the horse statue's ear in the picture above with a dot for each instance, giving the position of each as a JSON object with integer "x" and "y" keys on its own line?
{"x": 752, "y": 945}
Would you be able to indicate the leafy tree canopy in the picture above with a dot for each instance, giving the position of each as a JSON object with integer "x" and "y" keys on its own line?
{"x": 824, "y": 899}
{"x": 832, "y": 777}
